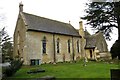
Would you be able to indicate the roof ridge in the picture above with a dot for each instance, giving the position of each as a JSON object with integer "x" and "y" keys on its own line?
{"x": 46, "y": 18}
{"x": 39, "y": 23}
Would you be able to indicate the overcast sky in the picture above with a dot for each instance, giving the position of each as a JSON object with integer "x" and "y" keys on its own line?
{"x": 61, "y": 10}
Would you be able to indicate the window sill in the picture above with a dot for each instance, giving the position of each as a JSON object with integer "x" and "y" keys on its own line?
{"x": 44, "y": 54}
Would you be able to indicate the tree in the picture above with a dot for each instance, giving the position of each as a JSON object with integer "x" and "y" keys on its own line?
{"x": 104, "y": 16}
{"x": 115, "y": 49}
{"x": 7, "y": 50}
{"x": 6, "y": 45}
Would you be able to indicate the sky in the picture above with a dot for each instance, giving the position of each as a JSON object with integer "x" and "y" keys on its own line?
{"x": 60, "y": 10}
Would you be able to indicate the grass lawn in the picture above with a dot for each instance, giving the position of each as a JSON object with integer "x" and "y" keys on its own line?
{"x": 69, "y": 70}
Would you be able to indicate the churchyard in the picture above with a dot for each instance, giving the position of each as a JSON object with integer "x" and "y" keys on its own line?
{"x": 69, "y": 70}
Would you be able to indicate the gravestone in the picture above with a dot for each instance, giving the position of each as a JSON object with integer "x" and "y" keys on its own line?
{"x": 115, "y": 74}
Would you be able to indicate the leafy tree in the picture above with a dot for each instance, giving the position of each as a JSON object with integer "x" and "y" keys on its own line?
{"x": 104, "y": 16}
{"x": 6, "y": 45}
{"x": 115, "y": 49}
{"x": 7, "y": 50}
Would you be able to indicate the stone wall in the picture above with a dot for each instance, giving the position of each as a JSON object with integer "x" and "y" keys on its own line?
{"x": 34, "y": 47}
{"x": 28, "y": 45}
{"x": 19, "y": 38}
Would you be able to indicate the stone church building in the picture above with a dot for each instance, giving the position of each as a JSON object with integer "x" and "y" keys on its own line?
{"x": 40, "y": 40}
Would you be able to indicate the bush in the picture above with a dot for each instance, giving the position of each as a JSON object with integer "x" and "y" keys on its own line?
{"x": 15, "y": 66}
{"x": 115, "y": 50}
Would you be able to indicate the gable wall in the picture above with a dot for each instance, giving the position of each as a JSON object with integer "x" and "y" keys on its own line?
{"x": 101, "y": 44}
{"x": 19, "y": 38}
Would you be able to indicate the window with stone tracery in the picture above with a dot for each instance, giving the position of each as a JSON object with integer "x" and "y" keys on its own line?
{"x": 58, "y": 45}
{"x": 78, "y": 46}
{"x": 44, "y": 45}
{"x": 69, "y": 46}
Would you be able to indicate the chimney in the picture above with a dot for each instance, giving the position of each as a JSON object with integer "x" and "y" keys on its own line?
{"x": 20, "y": 7}
{"x": 81, "y": 30}
{"x": 81, "y": 24}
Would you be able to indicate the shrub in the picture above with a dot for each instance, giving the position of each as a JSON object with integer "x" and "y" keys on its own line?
{"x": 15, "y": 66}
{"x": 115, "y": 50}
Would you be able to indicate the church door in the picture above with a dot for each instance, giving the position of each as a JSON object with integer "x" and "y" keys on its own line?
{"x": 90, "y": 53}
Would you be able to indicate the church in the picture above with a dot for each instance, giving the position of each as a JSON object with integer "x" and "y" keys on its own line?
{"x": 39, "y": 40}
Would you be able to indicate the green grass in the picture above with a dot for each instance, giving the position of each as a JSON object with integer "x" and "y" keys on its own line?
{"x": 69, "y": 70}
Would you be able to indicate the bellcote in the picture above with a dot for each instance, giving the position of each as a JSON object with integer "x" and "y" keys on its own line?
{"x": 20, "y": 7}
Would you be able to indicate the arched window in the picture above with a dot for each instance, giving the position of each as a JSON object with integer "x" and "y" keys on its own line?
{"x": 18, "y": 53}
{"x": 69, "y": 46}
{"x": 58, "y": 45}
{"x": 44, "y": 45}
{"x": 90, "y": 53}
{"x": 78, "y": 46}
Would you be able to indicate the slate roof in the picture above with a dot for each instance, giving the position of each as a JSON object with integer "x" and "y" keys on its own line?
{"x": 90, "y": 42}
{"x": 38, "y": 23}
{"x": 87, "y": 33}
{"x": 95, "y": 40}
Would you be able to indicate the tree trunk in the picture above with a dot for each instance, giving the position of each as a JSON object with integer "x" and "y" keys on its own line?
{"x": 117, "y": 15}
{"x": 118, "y": 21}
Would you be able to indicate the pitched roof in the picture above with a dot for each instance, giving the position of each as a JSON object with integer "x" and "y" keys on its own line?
{"x": 38, "y": 23}
{"x": 90, "y": 41}
{"x": 101, "y": 42}
{"x": 96, "y": 40}
{"x": 87, "y": 33}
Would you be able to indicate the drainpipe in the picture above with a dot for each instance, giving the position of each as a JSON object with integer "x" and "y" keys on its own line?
{"x": 54, "y": 48}
{"x": 73, "y": 48}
